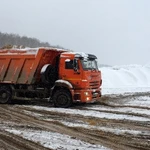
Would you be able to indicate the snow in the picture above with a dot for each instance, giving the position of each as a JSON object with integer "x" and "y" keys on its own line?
{"x": 116, "y": 131}
{"x": 77, "y": 123}
{"x": 21, "y": 51}
{"x": 67, "y": 60}
{"x": 81, "y": 54}
{"x": 44, "y": 68}
{"x": 77, "y": 54}
{"x": 121, "y": 79}
{"x": 86, "y": 113}
{"x": 28, "y": 50}
{"x": 64, "y": 82}
{"x": 143, "y": 101}
{"x": 122, "y": 109}
{"x": 54, "y": 140}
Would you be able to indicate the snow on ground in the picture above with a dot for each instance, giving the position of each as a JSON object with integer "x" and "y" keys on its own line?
{"x": 141, "y": 101}
{"x": 122, "y": 109}
{"x": 122, "y": 79}
{"x": 54, "y": 140}
{"x": 117, "y": 131}
{"x": 93, "y": 113}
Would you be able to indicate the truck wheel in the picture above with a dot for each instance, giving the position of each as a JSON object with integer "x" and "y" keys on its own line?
{"x": 62, "y": 98}
{"x": 5, "y": 95}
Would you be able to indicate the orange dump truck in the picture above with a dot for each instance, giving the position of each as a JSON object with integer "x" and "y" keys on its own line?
{"x": 61, "y": 76}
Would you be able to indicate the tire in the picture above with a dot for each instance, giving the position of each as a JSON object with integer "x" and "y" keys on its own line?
{"x": 49, "y": 76}
{"x": 62, "y": 99}
{"x": 5, "y": 95}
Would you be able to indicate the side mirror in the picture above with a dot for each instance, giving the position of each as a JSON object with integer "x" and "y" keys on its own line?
{"x": 75, "y": 65}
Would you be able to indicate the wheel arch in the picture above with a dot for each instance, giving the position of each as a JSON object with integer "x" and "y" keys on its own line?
{"x": 9, "y": 86}
{"x": 62, "y": 84}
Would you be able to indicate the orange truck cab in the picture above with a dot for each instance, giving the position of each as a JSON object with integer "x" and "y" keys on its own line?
{"x": 61, "y": 76}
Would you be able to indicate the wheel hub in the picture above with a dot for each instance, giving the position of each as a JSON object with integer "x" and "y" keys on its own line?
{"x": 62, "y": 99}
{"x": 4, "y": 95}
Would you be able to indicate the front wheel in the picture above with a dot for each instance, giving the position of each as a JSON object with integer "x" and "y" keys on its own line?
{"x": 5, "y": 95}
{"x": 62, "y": 98}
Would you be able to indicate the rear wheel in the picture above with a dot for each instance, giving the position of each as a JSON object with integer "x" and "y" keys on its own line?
{"x": 62, "y": 98}
{"x": 5, "y": 95}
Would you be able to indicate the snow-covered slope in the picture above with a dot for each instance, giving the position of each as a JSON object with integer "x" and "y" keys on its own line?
{"x": 129, "y": 78}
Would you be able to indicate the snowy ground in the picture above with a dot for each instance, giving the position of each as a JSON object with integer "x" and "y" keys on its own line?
{"x": 54, "y": 140}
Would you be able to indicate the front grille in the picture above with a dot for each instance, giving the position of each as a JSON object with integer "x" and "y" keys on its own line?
{"x": 94, "y": 84}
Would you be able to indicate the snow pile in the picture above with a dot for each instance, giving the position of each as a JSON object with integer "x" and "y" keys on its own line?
{"x": 126, "y": 78}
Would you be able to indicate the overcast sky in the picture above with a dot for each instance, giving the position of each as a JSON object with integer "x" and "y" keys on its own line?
{"x": 116, "y": 31}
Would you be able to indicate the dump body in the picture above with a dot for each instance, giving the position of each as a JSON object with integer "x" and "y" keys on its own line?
{"x": 24, "y": 66}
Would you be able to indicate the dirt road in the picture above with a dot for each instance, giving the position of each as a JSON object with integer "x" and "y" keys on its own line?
{"x": 119, "y": 122}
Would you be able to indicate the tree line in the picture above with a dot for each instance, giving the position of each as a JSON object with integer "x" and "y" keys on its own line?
{"x": 8, "y": 40}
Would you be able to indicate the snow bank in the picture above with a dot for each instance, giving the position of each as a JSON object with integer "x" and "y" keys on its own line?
{"x": 126, "y": 78}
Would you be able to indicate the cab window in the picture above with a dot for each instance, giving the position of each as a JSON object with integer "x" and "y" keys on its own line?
{"x": 69, "y": 64}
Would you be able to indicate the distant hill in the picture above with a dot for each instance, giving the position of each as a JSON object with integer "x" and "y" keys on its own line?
{"x": 23, "y": 41}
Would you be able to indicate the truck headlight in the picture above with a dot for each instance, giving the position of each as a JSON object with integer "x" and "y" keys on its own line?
{"x": 86, "y": 93}
{"x": 87, "y": 99}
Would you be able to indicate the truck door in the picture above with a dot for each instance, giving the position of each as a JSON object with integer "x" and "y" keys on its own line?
{"x": 69, "y": 74}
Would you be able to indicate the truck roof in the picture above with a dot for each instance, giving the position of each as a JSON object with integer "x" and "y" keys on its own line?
{"x": 79, "y": 55}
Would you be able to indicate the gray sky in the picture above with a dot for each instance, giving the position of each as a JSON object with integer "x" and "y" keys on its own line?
{"x": 116, "y": 31}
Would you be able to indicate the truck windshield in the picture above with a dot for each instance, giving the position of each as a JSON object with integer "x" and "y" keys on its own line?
{"x": 89, "y": 64}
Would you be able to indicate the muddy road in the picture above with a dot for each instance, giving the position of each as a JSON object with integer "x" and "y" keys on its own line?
{"x": 119, "y": 122}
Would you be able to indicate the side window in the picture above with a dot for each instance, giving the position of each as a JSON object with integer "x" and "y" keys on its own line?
{"x": 69, "y": 64}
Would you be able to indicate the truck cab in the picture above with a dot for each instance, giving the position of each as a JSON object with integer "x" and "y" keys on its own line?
{"x": 79, "y": 73}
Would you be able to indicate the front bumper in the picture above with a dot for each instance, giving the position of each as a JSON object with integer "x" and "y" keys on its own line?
{"x": 87, "y": 95}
